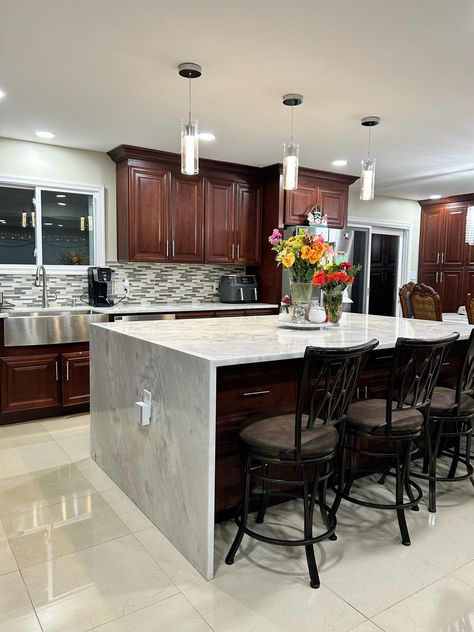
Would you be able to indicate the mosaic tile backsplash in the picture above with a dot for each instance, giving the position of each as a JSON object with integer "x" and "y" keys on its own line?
{"x": 148, "y": 283}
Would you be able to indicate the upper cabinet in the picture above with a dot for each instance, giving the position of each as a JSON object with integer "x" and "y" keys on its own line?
{"x": 313, "y": 190}
{"x": 164, "y": 216}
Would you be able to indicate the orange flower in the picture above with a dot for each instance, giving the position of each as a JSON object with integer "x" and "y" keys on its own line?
{"x": 288, "y": 260}
{"x": 305, "y": 252}
{"x": 316, "y": 253}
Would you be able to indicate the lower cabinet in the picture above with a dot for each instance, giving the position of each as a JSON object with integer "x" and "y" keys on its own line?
{"x": 29, "y": 382}
{"x": 75, "y": 378}
{"x": 32, "y": 386}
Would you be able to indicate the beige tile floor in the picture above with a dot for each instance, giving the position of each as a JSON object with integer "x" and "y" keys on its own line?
{"x": 76, "y": 554}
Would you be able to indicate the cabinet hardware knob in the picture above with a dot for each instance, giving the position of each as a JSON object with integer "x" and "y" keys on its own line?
{"x": 253, "y": 393}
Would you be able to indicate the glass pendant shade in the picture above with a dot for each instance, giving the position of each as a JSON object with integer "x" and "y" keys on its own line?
{"x": 189, "y": 148}
{"x": 470, "y": 226}
{"x": 290, "y": 166}
{"x": 367, "y": 180}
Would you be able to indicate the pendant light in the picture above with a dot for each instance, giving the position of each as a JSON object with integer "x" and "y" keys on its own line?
{"x": 291, "y": 150}
{"x": 367, "y": 177}
{"x": 189, "y": 128}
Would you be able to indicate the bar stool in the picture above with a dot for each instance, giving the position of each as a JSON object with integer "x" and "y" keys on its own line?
{"x": 451, "y": 418}
{"x": 394, "y": 423}
{"x": 307, "y": 440}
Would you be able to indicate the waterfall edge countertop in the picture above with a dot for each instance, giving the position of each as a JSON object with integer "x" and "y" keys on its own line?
{"x": 260, "y": 339}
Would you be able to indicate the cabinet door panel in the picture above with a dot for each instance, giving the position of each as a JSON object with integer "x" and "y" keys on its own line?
{"x": 149, "y": 215}
{"x": 75, "y": 378}
{"x": 333, "y": 201}
{"x": 248, "y": 219}
{"x": 454, "y": 236}
{"x": 219, "y": 213}
{"x": 431, "y": 236}
{"x": 429, "y": 277}
{"x": 187, "y": 219}
{"x": 469, "y": 282}
{"x": 452, "y": 289}
{"x": 29, "y": 382}
{"x": 299, "y": 202}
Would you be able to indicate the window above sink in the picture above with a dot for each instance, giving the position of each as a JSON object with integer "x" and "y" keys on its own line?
{"x": 57, "y": 224}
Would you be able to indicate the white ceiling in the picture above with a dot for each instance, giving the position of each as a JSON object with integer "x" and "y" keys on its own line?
{"x": 104, "y": 72}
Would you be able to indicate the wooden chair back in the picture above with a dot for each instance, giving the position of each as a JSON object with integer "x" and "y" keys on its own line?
{"x": 470, "y": 308}
{"x": 404, "y": 296}
{"x": 425, "y": 302}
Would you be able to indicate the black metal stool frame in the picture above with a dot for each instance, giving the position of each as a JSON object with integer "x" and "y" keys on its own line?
{"x": 331, "y": 390}
{"x": 453, "y": 424}
{"x": 415, "y": 369}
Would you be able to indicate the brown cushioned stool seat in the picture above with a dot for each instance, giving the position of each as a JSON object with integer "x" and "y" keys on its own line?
{"x": 443, "y": 399}
{"x": 370, "y": 416}
{"x": 276, "y": 435}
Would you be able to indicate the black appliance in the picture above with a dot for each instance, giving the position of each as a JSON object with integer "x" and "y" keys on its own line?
{"x": 99, "y": 283}
{"x": 238, "y": 288}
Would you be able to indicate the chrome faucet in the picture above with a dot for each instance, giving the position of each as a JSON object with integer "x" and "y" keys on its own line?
{"x": 42, "y": 270}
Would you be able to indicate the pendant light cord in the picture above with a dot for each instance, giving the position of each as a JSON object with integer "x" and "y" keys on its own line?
{"x": 368, "y": 153}
{"x": 189, "y": 112}
{"x": 292, "y": 108}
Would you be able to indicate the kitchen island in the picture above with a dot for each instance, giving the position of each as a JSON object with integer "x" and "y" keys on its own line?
{"x": 205, "y": 378}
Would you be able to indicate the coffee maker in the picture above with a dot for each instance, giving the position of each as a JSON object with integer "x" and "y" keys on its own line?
{"x": 99, "y": 283}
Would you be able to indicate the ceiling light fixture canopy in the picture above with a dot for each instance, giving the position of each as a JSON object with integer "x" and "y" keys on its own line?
{"x": 367, "y": 177}
{"x": 189, "y": 128}
{"x": 291, "y": 150}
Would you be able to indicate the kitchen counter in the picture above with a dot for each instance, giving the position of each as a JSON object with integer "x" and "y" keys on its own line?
{"x": 168, "y": 467}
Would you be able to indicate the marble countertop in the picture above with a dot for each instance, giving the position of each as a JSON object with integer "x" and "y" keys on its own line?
{"x": 228, "y": 341}
{"x": 140, "y": 308}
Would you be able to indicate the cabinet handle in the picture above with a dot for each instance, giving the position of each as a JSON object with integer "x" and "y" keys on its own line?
{"x": 357, "y": 393}
{"x": 167, "y": 247}
{"x": 366, "y": 391}
{"x": 441, "y": 280}
{"x": 437, "y": 257}
{"x": 437, "y": 276}
{"x": 67, "y": 371}
{"x": 233, "y": 251}
{"x": 253, "y": 393}
{"x": 385, "y": 357}
{"x": 57, "y": 371}
{"x": 172, "y": 243}
{"x": 238, "y": 251}
{"x": 442, "y": 258}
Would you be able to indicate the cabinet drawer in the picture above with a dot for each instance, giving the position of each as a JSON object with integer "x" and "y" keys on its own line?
{"x": 264, "y": 388}
{"x": 29, "y": 382}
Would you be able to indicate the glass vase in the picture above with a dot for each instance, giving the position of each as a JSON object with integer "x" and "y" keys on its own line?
{"x": 333, "y": 305}
{"x": 300, "y": 299}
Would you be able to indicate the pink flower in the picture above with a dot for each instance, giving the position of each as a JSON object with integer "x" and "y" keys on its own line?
{"x": 275, "y": 237}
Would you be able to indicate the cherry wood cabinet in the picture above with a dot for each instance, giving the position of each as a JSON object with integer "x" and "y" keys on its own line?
{"x": 29, "y": 382}
{"x": 313, "y": 190}
{"x": 186, "y": 219}
{"x": 220, "y": 220}
{"x": 75, "y": 378}
{"x": 446, "y": 262}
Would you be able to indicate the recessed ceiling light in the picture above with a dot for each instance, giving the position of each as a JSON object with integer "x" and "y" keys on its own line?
{"x": 48, "y": 223}
{"x": 44, "y": 134}
{"x": 339, "y": 163}
{"x": 60, "y": 225}
{"x": 207, "y": 136}
{"x": 61, "y": 203}
{"x": 2, "y": 94}
{"x": 60, "y": 195}
{"x": 435, "y": 197}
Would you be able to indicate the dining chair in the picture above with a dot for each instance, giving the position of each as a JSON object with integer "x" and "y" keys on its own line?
{"x": 425, "y": 303}
{"x": 404, "y": 296}
{"x": 470, "y": 308}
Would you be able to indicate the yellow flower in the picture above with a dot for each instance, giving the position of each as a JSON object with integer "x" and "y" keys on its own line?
{"x": 288, "y": 260}
{"x": 305, "y": 252}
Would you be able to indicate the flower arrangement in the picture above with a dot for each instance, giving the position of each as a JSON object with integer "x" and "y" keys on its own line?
{"x": 302, "y": 255}
{"x": 336, "y": 276}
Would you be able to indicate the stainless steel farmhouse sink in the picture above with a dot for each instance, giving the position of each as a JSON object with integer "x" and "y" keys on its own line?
{"x": 25, "y": 329}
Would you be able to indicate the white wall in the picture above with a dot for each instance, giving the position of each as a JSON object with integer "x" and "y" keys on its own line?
{"x": 39, "y": 160}
{"x": 389, "y": 208}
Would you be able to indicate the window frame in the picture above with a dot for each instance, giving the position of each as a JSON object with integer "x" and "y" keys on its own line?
{"x": 61, "y": 186}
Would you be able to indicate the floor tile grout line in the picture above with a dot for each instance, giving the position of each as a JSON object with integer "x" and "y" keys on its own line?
{"x": 30, "y": 600}
{"x": 461, "y": 580}
{"x": 202, "y": 616}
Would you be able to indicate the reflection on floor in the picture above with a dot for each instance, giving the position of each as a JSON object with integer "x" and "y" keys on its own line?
{"x": 76, "y": 554}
